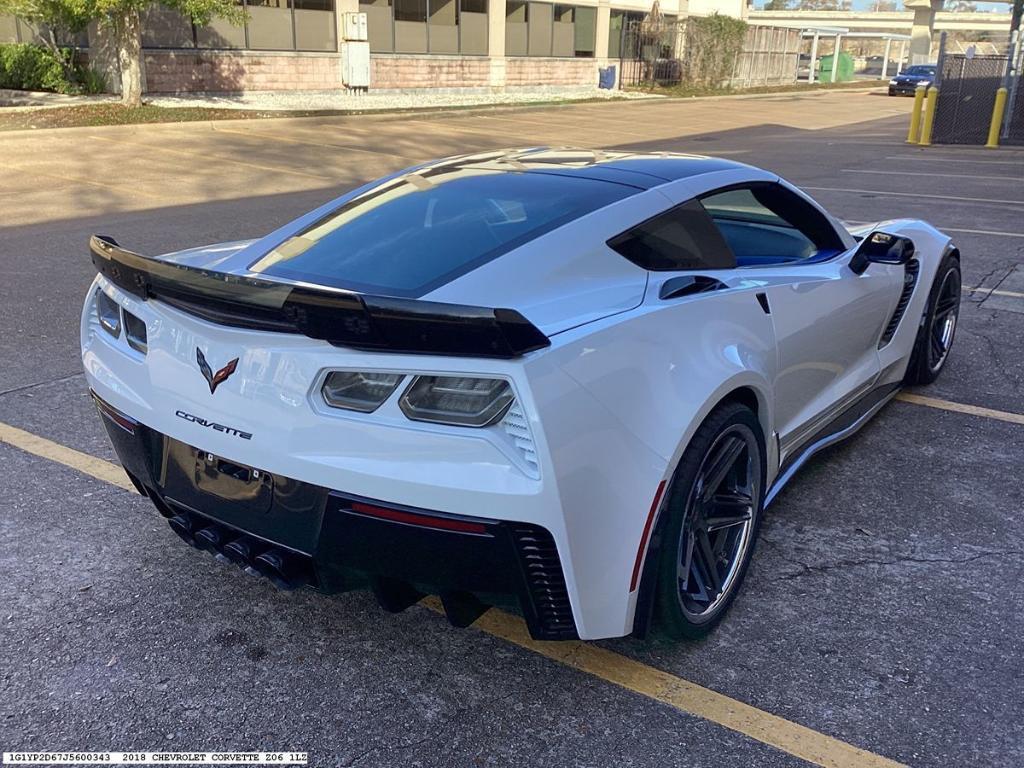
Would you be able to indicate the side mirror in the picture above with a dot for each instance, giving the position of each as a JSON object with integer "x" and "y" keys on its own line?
{"x": 882, "y": 248}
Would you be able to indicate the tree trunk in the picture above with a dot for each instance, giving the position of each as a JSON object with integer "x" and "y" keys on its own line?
{"x": 128, "y": 31}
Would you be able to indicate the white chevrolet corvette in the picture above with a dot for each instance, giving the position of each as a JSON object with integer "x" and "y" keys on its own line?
{"x": 564, "y": 380}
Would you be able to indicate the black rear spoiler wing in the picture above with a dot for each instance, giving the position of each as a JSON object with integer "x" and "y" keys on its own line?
{"x": 342, "y": 318}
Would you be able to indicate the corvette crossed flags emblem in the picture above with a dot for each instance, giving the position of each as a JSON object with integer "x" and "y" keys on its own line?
{"x": 214, "y": 379}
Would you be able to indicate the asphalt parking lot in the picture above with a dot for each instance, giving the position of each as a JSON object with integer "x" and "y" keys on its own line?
{"x": 881, "y": 622}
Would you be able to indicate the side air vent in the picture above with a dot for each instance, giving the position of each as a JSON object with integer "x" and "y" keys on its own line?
{"x": 518, "y": 428}
{"x": 909, "y": 281}
{"x": 545, "y": 582}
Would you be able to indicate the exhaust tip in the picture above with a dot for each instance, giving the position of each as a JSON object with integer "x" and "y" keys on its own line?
{"x": 184, "y": 526}
{"x": 240, "y": 552}
{"x": 210, "y": 539}
{"x": 284, "y": 569}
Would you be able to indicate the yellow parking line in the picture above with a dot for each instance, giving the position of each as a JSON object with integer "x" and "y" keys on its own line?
{"x": 69, "y": 457}
{"x": 665, "y": 688}
{"x": 973, "y": 410}
{"x": 682, "y": 695}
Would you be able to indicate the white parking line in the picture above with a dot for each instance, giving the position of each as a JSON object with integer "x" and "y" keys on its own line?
{"x": 1014, "y": 179}
{"x": 994, "y": 292}
{"x": 885, "y": 193}
{"x": 994, "y": 232}
{"x": 928, "y": 159}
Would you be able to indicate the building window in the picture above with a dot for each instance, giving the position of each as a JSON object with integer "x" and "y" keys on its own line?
{"x": 270, "y": 25}
{"x": 273, "y": 25}
{"x": 410, "y": 26}
{"x": 516, "y": 15}
{"x": 8, "y": 29}
{"x": 444, "y": 26}
{"x": 621, "y": 23}
{"x": 473, "y": 27}
{"x": 379, "y": 28}
{"x": 543, "y": 29}
{"x": 426, "y": 26}
{"x": 315, "y": 28}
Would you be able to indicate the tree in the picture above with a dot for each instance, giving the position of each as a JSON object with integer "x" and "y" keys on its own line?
{"x": 55, "y": 19}
{"x": 776, "y": 5}
{"x": 122, "y": 19}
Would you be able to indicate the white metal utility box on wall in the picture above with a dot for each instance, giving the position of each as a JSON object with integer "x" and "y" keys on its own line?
{"x": 354, "y": 27}
{"x": 355, "y": 64}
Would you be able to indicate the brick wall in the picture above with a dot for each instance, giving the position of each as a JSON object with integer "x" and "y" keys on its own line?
{"x": 184, "y": 71}
{"x": 528, "y": 70}
{"x": 223, "y": 71}
{"x": 396, "y": 71}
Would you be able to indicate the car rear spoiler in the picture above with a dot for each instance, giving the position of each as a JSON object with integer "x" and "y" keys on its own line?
{"x": 339, "y": 317}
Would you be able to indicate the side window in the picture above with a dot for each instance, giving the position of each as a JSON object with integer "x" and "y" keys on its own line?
{"x": 681, "y": 238}
{"x": 766, "y": 223}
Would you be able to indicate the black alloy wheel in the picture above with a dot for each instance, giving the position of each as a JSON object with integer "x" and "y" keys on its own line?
{"x": 714, "y": 510}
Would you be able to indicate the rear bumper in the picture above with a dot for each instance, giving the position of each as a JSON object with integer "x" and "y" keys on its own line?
{"x": 342, "y": 541}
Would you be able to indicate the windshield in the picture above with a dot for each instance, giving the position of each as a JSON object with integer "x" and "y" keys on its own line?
{"x": 920, "y": 71}
{"x": 417, "y": 232}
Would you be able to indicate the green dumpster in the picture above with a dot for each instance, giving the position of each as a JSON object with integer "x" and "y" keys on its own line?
{"x": 845, "y": 72}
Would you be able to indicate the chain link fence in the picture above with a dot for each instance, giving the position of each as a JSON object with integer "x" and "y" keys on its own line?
{"x": 967, "y": 94}
{"x": 1014, "y": 125}
{"x": 656, "y": 52}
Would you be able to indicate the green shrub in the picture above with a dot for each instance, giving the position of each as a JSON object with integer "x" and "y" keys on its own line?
{"x": 31, "y": 68}
{"x": 89, "y": 80}
{"x": 36, "y": 68}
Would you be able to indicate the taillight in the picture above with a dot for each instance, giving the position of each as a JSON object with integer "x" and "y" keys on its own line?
{"x": 135, "y": 332}
{"x": 109, "y": 312}
{"x": 458, "y": 400}
{"x": 359, "y": 390}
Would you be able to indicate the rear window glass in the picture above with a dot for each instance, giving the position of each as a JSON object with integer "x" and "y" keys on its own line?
{"x": 413, "y": 234}
{"x": 681, "y": 238}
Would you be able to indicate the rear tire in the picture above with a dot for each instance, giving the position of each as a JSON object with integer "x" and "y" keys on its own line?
{"x": 714, "y": 512}
{"x": 938, "y": 326}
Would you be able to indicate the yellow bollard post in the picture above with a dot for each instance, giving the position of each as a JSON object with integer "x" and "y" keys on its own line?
{"x": 914, "y": 134}
{"x": 998, "y": 109}
{"x": 929, "y": 117}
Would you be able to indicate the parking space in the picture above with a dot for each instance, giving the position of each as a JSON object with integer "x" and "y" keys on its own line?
{"x": 881, "y": 620}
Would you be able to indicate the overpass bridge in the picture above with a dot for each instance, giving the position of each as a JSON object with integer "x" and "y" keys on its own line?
{"x": 921, "y": 19}
{"x": 899, "y": 22}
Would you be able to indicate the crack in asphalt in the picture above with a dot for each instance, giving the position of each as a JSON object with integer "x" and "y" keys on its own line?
{"x": 24, "y": 387}
{"x": 993, "y": 348}
{"x": 806, "y": 568}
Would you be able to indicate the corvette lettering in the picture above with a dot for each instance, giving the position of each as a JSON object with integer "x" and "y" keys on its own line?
{"x": 213, "y": 425}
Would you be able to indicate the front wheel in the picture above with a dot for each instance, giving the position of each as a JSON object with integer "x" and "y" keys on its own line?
{"x": 714, "y": 510}
{"x": 938, "y": 326}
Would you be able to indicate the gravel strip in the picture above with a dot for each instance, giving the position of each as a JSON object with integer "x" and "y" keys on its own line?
{"x": 387, "y": 99}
